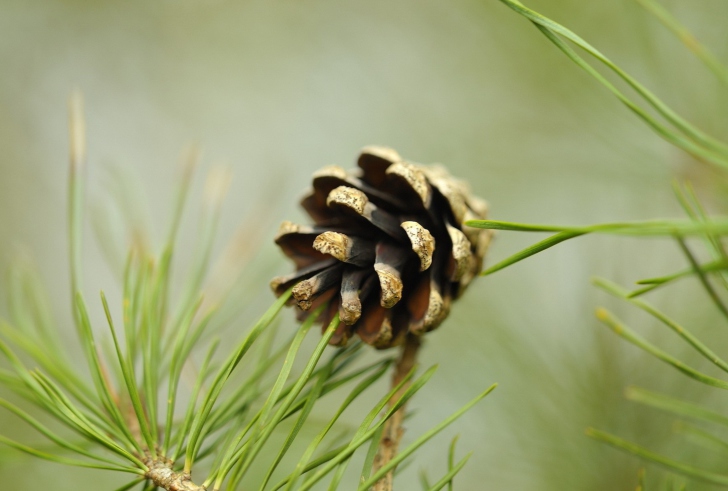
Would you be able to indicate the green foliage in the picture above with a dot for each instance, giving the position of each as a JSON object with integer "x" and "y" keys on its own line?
{"x": 712, "y": 274}
{"x": 669, "y": 125}
{"x": 125, "y": 411}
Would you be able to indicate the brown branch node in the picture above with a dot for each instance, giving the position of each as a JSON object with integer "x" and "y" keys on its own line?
{"x": 163, "y": 475}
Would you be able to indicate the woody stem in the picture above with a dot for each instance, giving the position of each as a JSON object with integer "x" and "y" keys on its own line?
{"x": 393, "y": 429}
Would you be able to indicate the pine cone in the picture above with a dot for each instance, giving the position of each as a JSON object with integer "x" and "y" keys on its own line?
{"x": 387, "y": 251}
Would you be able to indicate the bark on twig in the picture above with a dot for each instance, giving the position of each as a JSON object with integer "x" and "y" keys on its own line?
{"x": 393, "y": 429}
{"x": 163, "y": 476}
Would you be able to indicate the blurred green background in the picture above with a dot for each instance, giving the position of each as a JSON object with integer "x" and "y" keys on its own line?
{"x": 276, "y": 90}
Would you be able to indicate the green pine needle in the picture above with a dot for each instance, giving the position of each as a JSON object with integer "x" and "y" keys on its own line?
{"x": 625, "y": 332}
{"x": 675, "y": 406}
{"x": 675, "y": 129}
{"x": 424, "y": 438}
{"x": 681, "y": 331}
{"x": 673, "y": 465}
{"x": 452, "y": 472}
{"x": 687, "y": 38}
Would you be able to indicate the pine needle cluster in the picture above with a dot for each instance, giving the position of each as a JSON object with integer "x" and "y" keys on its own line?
{"x": 700, "y": 229}
{"x": 165, "y": 401}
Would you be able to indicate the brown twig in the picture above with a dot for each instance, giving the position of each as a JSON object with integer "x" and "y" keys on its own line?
{"x": 393, "y": 429}
{"x": 163, "y": 476}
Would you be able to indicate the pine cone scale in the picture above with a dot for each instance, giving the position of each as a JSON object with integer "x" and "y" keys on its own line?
{"x": 355, "y": 202}
{"x": 422, "y": 241}
{"x": 349, "y": 249}
{"x": 308, "y": 290}
{"x": 280, "y": 284}
{"x": 353, "y": 281}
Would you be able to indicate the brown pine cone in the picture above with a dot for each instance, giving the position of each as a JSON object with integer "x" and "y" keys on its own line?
{"x": 388, "y": 250}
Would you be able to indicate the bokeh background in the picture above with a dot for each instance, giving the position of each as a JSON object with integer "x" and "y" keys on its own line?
{"x": 276, "y": 90}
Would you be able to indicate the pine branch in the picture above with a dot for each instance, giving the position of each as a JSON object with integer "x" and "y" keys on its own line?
{"x": 162, "y": 474}
{"x": 393, "y": 430}
{"x": 118, "y": 407}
